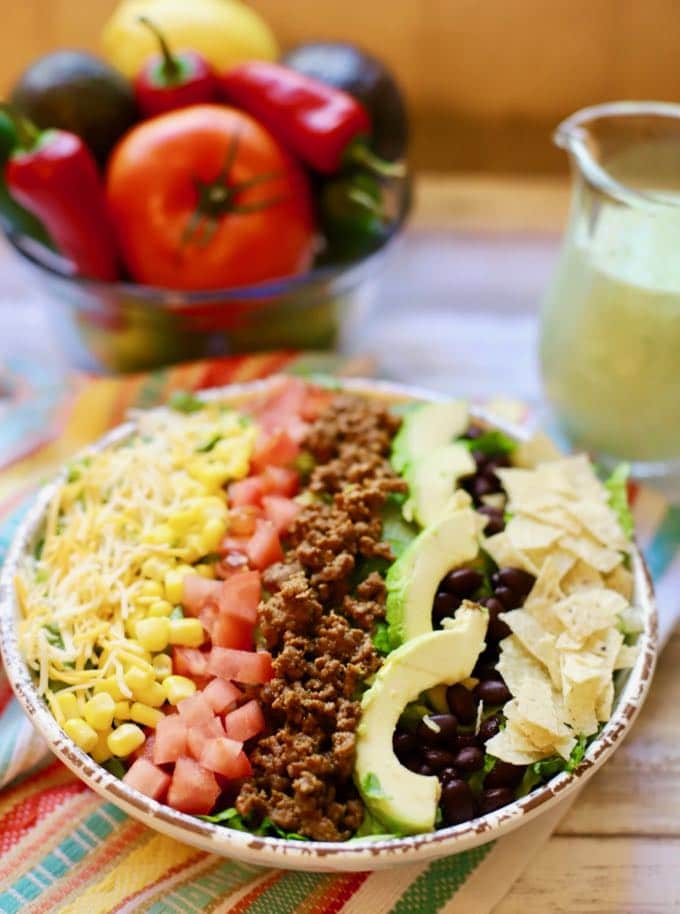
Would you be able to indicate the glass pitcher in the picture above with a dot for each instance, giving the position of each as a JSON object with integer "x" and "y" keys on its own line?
{"x": 610, "y": 346}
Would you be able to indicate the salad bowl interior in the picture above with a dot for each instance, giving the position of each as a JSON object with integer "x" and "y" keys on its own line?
{"x": 357, "y": 854}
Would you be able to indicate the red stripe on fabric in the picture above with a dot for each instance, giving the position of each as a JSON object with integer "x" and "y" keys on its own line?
{"x": 633, "y": 492}
{"x": 343, "y": 889}
{"x": 5, "y": 694}
{"x": 244, "y": 903}
{"x": 15, "y": 824}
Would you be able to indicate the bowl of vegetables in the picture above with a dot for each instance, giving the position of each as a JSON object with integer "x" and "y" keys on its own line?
{"x": 202, "y": 200}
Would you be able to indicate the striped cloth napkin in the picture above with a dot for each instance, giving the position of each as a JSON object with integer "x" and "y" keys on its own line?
{"x": 64, "y": 850}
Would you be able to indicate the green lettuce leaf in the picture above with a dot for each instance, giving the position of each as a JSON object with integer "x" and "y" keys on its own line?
{"x": 492, "y": 442}
{"x": 617, "y": 486}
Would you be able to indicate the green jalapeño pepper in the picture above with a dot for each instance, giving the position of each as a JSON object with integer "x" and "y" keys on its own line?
{"x": 15, "y": 218}
{"x": 352, "y": 215}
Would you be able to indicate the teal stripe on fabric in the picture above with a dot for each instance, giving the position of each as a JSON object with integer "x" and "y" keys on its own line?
{"x": 94, "y": 829}
{"x": 9, "y": 527}
{"x": 664, "y": 547}
{"x": 207, "y": 888}
{"x": 440, "y": 882}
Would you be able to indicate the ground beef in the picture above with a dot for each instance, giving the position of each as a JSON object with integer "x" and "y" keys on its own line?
{"x": 317, "y": 622}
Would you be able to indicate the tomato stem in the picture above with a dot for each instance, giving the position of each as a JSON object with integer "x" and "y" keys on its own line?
{"x": 171, "y": 67}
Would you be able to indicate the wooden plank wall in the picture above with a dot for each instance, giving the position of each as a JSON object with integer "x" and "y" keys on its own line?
{"x": 485, "y": 80}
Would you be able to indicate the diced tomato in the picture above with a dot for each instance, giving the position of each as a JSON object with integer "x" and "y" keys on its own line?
{"x": 316, "y": 401}
{"x": 245, "y": 722}
{"x": 242, "y": 520}
{"x": 198, "y": 736}
{"x": 171, "y": 740}
{"x": 197, "y": 591}
{"x": 229, "y": 631}
{"x": 277, "y": 449}
{"x": 285, "y": 400}
{"x": 222, "y": 756}
{"x": 281, "y": 481}
{"x": 263, "y": 547}
{"x": 222, "y": 695}
{"x": 196, "y": 711}
{"x": 193, "y": 788}
{"x": 280, "y": 511}
{"x": 232, "y": 563}
{"x": 189, "y": 661}
{"x": 249, "y": 667}
{"x": 242, "y": 766}
{"x": 244, "y": 492}
{"x": 235, "y": 545}
{"x": 147, "y": 778}
{"x": 240, "y": 595}
{"x": 146, "y": 749}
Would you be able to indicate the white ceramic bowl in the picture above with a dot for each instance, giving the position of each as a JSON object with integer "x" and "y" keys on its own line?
{"x": 313, "y": 855}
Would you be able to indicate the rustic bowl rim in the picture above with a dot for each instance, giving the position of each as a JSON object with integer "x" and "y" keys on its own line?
{"x": 363, "y": 854}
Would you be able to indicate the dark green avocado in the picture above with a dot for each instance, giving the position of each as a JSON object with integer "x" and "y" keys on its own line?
{"x": 75, "y": 91}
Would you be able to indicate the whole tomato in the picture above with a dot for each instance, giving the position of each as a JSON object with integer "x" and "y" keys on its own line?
{"x": 205, "y": 198}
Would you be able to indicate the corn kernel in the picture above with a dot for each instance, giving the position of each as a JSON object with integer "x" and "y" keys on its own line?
{"x": 206, "y": 571}
{"x": 143, "y": 714}
{"x": 121, "y": 710}
{"x": 153, "y": 634}
{"x": 151, "y": 589}
{"x": 99, "y": 711}
{"x": 67, "y": 704}
{"x": 81, "y": 733}
{"x": 125, "y": 739}
{"x": 212, "y": 475}
{"x": 211, "y": 534}
{"x": 178, "y": 688}
{"x": 156, "y": 568}
{"x": 183, "y": 521}
{"x": 110, "y": 687}
{"x": 187, "y": 632}
{"x": 162, "y": 665}
{"x": 137, "y": 679}
{"x": 101, "y": 752}
{"x": 159, "y": 609}
{"x": 174, "y": 585}
{"x": 161, "y": 535}
{"x": 154, "y": 694}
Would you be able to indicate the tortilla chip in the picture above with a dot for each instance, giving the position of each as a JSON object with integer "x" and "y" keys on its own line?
{"x": 516, "y": 665}
{"x": 525, "y": 533}
{"x": 537, "y": 449}
{"x": 511, "y": 746}
{"x": 581, "y": 576}
{"x": 583, "y": 681}
{"x": 621, "y": 580}
{"x": 601, "y": 523}
{"x": 554, "y": 514}
{"x": 536, "y": 641}
{"x": 538, "y": 712}
{"x": 605, "y": 647}
{"x": 504, "y": 553}
{"x": 581, "y": 477}
{"x": 605, "y": 700}
{"x": 589, "y": 611}
{"x": 626, "y": 656}
{"x": 591, "y": 552}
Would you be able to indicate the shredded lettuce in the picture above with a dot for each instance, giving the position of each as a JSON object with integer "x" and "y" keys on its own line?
{"x": 617, "y": 486}
{"x": 233, "y": 819}
{"x": 185, "y": 402}
{"x": 53, "y": 635}
{"x": 381, "y": 638}
{"x": 492, "y": 442}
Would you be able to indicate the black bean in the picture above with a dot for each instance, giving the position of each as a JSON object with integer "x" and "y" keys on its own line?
{"x": 482, "y": 486}
{"x": 473, "y": 432}
{"x": 506, "y": 597}
{"x": 462, "y": 703}
{"x": 517, "y": 580}
{"x": 495, "y": 798}
{"x": 489, "y": 727}
{"x": 462, "y": 582}
{"x": 498, "y": 461}
{"x": 457, "y": 802}
{"x": 469, "y": 759}
{"x": 484, "y": 671}
{"x": 503, "y": 774}
{"x": 403, "y": 742}
{"x": 493, "y": 692}
{"x": 445, "y": 604}
{"x": 441, "y": 733}
{"x": 494, "y": 606}
{"x": 425, "y": 769}
{"x": 463, "y": 740}
{"x": 497, "y": 630}
{"x": 439, "y": 758}
{"x": 412, "y": 762}
{"x": 495, "y": 523}
{"x": 447, "y": 774}
{"x": 481, "y": 459}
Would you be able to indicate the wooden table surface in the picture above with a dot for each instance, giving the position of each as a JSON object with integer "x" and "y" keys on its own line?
{"x": 474, "y": 263}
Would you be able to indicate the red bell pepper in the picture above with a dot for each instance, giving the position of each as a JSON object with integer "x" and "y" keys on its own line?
{"x": 169, "y": 81}
{"x": 54, "y": 176}
{"x": 324, "y": 126}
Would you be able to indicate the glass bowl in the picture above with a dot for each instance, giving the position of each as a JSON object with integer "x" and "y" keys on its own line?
{"x": 123, "y": 326}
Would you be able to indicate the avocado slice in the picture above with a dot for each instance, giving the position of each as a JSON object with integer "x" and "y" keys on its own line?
{"x": 432, "y": 482}
{"x": 428, "y": 427}
{"x": 413, "y": 579}
{"x": 404, "y": 801}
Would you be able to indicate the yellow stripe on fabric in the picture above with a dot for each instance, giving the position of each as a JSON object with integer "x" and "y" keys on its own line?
{"x": 136, "y": 870}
